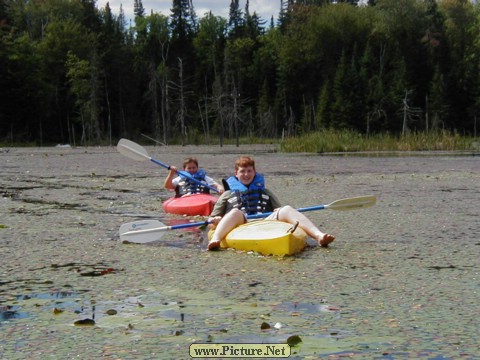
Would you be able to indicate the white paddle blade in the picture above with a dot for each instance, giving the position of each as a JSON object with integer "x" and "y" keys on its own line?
{"x": 359, "y": 202}
{"x": 132, "y": 150}
{"x": 142, "y": 231}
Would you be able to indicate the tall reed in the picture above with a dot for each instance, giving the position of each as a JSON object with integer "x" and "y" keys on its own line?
{"x": 350, "y": 141}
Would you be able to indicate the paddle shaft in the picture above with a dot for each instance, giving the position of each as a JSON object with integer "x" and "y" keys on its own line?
{"x": 184, "y": 174}
{"x": 311, "y": 208}
{"x": 262, "y": 215}
{"x": 160, "y": 163}
{"x": 137, "y": 152}
{"x": 343, "y": 204}
{"x": 164, "y": 228}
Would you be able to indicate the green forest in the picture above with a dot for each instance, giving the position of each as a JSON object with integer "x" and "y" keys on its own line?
{"x": 73, "y": 73}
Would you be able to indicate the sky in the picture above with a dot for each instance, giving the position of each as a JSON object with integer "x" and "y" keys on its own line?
{"x": 264, "y": 8}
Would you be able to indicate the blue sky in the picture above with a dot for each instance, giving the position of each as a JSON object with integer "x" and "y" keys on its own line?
{"x": 264, "y": 8}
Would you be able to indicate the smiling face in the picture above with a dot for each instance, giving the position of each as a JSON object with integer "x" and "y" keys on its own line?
{"x": 245, "y": 174}
{"x": 191, "y": 167}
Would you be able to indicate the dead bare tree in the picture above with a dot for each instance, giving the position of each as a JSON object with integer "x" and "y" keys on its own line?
{"x": 235, "y": 95}
{"x": 409, "y": 113}
{"x": 165, "y": 101}
{"x": 153, "y": 90}
{"x": 181, "y": 110}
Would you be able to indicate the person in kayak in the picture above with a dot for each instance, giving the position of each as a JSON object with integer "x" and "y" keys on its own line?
{"x": 247, "y": 195}
{"x": 184, "y": 186}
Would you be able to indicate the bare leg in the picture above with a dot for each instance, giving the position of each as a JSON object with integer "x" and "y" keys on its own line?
{"x": 230, "y": 221}
{"x": 291, "y": 215}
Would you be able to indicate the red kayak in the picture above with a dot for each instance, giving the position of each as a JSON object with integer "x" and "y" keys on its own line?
{"x": 196, "y": 204}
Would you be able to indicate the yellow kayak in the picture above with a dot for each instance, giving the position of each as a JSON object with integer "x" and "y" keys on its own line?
{"x": 267, "y": 237}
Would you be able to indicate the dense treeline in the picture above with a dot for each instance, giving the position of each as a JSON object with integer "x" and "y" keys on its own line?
{"x": 73, "y": 73}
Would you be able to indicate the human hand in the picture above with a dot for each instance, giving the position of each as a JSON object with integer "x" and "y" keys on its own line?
{"x": 214, "y": 220}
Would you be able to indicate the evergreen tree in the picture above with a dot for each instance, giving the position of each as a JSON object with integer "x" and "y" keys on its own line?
{"x": 182, "y": 61}
{"x": 138, "y": 9}
{"x": 461, "y": 66}
{"x": 326, "y": 64}
{"x": 182, "y": 29}
{"x": 322, "y": 119}
{"x": 235, "y": 20}
{"x": 340, "y": 102}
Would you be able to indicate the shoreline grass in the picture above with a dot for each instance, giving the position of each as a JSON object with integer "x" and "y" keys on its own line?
{"x": 343, "y": 141}
{"x": 328, "y": 141}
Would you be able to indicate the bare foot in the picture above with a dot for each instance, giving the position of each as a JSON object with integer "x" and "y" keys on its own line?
{"x": 326, "y": 239}
{"x": 213, "y": 244}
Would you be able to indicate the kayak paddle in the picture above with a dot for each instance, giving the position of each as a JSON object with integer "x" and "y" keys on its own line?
{"x": 145, "y": 231}
{"x": 139, "y": 153}
{"x": 354, "y": 203}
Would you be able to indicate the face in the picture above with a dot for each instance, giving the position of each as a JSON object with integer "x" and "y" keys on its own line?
{"x": 191, "y": 167}
{"x": 245, "y": 174}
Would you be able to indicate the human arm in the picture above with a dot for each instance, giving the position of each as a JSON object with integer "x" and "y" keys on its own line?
{"x": 211, "y": 182}
{"x": 219, "y": 188}
{"x": 168, "y": 183}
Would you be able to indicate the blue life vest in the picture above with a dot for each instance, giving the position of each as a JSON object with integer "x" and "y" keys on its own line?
{"x": 187, "y": 186}
{"x": 252, "y": 199}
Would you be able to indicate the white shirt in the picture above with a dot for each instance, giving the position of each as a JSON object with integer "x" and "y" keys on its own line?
{"x": 208, "y": 180}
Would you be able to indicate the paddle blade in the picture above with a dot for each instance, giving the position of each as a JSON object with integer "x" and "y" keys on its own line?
{"x": 145, "y": 231}
{"x": 132, "y": 150}
{"x": 354, "y": 203}
{"x": 142, "y": 231}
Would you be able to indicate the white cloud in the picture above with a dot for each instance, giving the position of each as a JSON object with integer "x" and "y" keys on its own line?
{"x": 265, "y": 9}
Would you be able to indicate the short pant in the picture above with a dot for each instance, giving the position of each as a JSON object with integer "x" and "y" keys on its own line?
{"x": 272, "y": 216}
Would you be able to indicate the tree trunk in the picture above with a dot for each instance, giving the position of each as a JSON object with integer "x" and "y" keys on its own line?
{"x": 181, "y": 112}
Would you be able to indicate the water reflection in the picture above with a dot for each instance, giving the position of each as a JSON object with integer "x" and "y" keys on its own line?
{"x": 10, "y": 312}
{"x": 306, "y": 308}
{"x": 48, "y": 296}
{"x": 13, "y": 312}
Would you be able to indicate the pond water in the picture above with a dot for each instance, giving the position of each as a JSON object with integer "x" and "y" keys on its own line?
{"x": 402, "y": 279}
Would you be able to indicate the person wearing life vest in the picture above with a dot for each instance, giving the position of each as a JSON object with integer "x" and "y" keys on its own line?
{"x": 251, "y": 199}
{"x": 248, "y": 195}
{"x": 184, "y": 186}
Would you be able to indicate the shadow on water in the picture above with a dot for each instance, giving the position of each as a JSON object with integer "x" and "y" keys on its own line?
{"x": 186, "y": 238}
